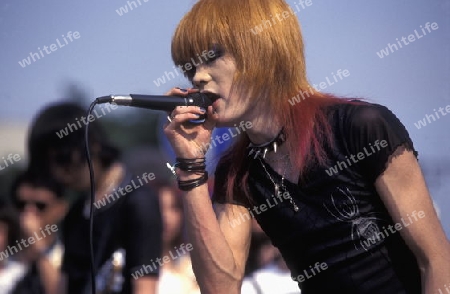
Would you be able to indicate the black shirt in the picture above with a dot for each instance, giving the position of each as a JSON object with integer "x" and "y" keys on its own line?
{"x": 342, "y": 239}
{"x": 132, "y": 222}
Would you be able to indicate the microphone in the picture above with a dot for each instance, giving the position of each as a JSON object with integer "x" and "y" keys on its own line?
{"x": 159, "y": 102}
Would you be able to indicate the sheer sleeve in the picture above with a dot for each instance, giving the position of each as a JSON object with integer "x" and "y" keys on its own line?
{"x": 374, "y": 134}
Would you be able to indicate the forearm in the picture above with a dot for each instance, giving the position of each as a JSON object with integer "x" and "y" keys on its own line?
{"x": 212, "y": 258}
{"x": 144, "y": 285}
{"x": 49, "y": 275}
{"x": 436, "y": 274}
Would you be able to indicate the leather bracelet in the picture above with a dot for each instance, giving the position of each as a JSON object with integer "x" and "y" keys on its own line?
{"x": 191, "y": 160}
{"x": 191, "y": 184}
{"x": 191, "y": 165}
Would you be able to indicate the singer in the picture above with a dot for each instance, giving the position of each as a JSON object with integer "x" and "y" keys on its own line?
{"x": 289, "y": 149}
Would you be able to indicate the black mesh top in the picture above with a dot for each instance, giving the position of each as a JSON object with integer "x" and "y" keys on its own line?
{"x": 342, "y": 239}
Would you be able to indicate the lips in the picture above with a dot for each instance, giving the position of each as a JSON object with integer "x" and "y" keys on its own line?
{"x": 212, "y": 96}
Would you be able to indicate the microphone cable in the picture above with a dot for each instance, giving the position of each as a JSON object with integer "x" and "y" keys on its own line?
{"x": 92, "y": 180}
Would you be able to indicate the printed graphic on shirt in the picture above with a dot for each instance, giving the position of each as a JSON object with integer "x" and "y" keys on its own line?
{"x": 344, "y": 208}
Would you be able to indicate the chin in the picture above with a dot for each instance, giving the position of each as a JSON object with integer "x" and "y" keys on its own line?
{"x": 224, "y": 122}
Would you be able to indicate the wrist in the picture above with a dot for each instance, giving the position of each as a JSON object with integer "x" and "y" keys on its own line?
{"x": 37, "y": 254}
{"x": 190, "y": 172}
{"x": 188, "y": 185}
{"x": 186, "y": 175}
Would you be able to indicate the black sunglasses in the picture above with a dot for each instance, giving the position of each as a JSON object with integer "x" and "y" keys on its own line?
{"x": 41, "y": 206}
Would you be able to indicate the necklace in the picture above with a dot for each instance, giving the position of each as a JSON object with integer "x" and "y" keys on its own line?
{"x": 277, "y": 187}
{"x": 267, "y": 147}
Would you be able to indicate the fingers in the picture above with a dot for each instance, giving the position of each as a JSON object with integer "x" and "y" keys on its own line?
{"x": 182, "y": 114}
{"x": 181, "y": 92}
{"x": 175, "y": 113}
{"x": 211, "y": 119}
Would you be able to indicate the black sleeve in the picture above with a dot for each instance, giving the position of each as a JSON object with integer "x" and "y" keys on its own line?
{"x": 143, "y": 230}
{"x": 374, "y": 133}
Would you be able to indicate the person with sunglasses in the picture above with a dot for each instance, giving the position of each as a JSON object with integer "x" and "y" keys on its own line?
{"x": 333, "y": 182}
{"x": 40, "y": 203}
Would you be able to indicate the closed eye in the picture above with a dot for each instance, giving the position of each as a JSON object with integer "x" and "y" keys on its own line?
{"x": 219, "y": 52}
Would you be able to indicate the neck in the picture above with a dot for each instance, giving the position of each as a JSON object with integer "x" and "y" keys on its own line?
{"x": 263, "y": 130}
{"x": 109, "y": 178}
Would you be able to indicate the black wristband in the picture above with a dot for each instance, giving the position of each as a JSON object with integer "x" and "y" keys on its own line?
{"x": 191, "y": 184}
{"x": 191, "y": 165}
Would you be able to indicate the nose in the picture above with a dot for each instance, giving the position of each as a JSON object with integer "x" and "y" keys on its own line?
{"x": 201, "y": 77}
{"x": 30, "y": 208}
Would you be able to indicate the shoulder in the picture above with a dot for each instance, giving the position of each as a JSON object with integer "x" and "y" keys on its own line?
{"x": 363, "y": 128}
{"x": 357, "y": 113}
{"x": 359, "y": 120}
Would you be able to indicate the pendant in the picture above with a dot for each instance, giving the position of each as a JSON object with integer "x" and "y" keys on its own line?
{"x": 294, "y": 205}
{"x": 277, "y": 189}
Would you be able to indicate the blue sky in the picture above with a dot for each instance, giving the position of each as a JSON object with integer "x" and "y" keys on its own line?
{"x": 125, "y": 54}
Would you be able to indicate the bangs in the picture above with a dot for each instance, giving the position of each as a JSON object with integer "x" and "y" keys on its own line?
{"x": 197, "y": 33}
{"x": 211, "y": 23}
{"x": 260, "y": 45}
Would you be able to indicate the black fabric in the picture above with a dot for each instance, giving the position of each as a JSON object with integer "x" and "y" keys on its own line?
{"x": 340, "y": 213}
{"x": 31, "y": 283}
{"x": 132, "y": 222}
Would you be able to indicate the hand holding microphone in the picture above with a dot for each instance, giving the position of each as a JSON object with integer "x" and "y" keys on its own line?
{"x": 186, "y": 138}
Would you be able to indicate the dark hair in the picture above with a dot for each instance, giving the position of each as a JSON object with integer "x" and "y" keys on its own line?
{"x": 9, "y": 216}
{"x": 36, "y": 181}
{"x": 61, "y": 126}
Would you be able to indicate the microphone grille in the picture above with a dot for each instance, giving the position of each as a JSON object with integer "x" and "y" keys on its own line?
{"x": 201, "y": 99}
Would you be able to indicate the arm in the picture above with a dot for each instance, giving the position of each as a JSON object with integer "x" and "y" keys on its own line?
{"x": 62, "y": 283}
{"x": 145, "y": 285}
{"x": 403, "y": 190}
{"x": 219, "y": 251}
{"x": 38, "y": 253}
{"x": 50, "y": 275}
